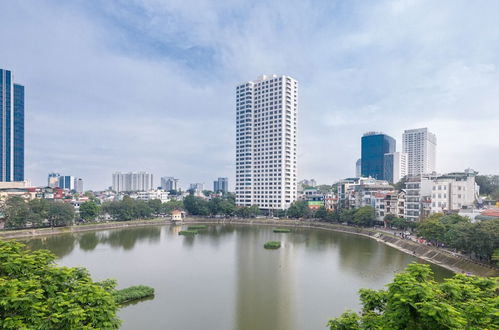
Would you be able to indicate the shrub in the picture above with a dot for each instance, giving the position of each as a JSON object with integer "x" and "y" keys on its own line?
{"x": 197, "y": 227}
{"x": 281, "y": 230}
{"x": 187, "y": 232}
{"x": 272, "y": 245}
{"x": 132, "y": 293}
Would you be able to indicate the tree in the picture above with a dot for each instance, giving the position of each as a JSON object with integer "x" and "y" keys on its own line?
{"x": 155, "y": 205}
{"x": 171, "y": 205}
{"x": 321, "y": 213}
{"x": 488, "y": 184}
{"x": 346, "y": 215}
{"x": 298, "y": 209}
{"x": 36, "y": 294}
{"x": 415, "y": 301}
{"x": 364, "y": 216}
{"x": 60, "y": 214}
{"x": 196, "y": 205}
{"x": 432, "y": 228}
{"x": 89, "y": 210}
{"x": 17, "y": 212}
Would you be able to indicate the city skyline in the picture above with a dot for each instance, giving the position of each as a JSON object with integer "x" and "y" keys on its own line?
{"x": 364, "y": 67}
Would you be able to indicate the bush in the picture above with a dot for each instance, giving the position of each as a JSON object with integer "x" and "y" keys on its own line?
{"x": 197, "y": 227}
{"x": 132, "y": 293}
{"x": 188, "y": 232}
{"x": 272, "y": 245}
{"x": 281, "y": 230}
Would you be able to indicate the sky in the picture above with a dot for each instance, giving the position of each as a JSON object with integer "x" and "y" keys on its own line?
{"x": 149, "y": 85}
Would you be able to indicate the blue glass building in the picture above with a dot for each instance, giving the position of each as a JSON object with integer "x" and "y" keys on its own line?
{"x": 11, "y": 128}
{"x": 374, "y": 147}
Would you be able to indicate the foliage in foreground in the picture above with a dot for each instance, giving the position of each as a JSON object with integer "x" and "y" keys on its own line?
{"x": 132, "y": 293}
{"x": 415, "y": 301}
{"x": 36, "y": 294}
{"x": 272, "y": 245}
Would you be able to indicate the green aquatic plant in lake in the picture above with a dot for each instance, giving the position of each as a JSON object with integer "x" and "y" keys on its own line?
{"x": 272, "y": 245}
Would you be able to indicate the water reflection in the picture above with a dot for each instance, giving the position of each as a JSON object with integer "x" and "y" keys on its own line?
{"x": 61, "y": 245}
{"x": 265, "y": 282}
{"x": 127, "y": 238}
{"x": 88, "y": 241}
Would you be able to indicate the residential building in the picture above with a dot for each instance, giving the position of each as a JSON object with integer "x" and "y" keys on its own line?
{"x": 53, "y": 180}
{"x": 132, "y": 181}
{"x": 417, "y": 194}
{"x": 266, "y": 122}
{"x": 79, "y": 185}
{"x": 169, "y": 183}
{"x": 221, "y": 185}
{"x": 395, "y": 167}
{"x": 11, "y": 128}
{"x": 420, "y": 146}
{"x": 454, "y": 191}
{"x": 314, "y": 198}
{"x": 374, "y": 147}
{"x": 162, "y": 195}
{"x": 196, "y": 187}
{"x": 358, "y": 168}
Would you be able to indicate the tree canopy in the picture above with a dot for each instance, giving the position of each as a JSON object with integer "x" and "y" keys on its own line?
{"x": 415, "y": 301}
{"x": 36, "y": 294}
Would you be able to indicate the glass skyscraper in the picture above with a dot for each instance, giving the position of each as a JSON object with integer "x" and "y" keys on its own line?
{"x": 11, "y": 128}
{"x": 374, "y": 147}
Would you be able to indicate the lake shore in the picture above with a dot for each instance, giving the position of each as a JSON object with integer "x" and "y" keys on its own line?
{"x": 436, "y": 256}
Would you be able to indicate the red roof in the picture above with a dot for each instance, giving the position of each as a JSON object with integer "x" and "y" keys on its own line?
{"x": 491, "y": 212}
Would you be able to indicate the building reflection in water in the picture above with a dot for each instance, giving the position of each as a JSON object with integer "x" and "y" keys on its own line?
{"x": 265, "y": 282}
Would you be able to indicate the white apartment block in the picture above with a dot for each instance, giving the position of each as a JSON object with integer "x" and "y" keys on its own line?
{"x": 454, "y": 191}
{"x": 266, "y": 121}
{"x": 151, "y": 195}
{"x": 420, "y": 146}
{"x": 395, "y": 166}
{"x": 132, "y": 181}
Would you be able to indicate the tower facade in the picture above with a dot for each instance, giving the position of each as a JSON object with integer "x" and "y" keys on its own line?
{"x": 11, "y": 128}
{"x": 266, "y": 122}
{"x": 420, "y": 146}
{"x": 374, "y": 147}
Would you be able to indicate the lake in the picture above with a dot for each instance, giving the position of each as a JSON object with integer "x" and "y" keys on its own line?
{"x": 223, "y": 278}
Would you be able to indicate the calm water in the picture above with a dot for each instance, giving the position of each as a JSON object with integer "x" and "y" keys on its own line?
{"x": 223, "y": 278}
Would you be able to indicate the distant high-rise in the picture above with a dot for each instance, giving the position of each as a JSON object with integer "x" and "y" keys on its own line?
{"x": 67, "y": 182}
{"x": 196, "y": 187}
{"x": 420, "y": 146}
{"x": 53, "y": 180}
{"x": 132, "y": 181}
{"x": 266, "y": 122}
{"x": 221, "y": 185}
{"x": 374, "y": 147}
{"x": 11, "y": 128}
{"x": 169, "y": 183}
{"x": 79, "y": 185}
{"x": 395, "y": 167}
{"x": 358, "y": 168}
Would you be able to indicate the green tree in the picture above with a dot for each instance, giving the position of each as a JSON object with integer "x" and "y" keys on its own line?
{"x": 432, "y": 228}
{"x": 321, "y": 213}
{"x": 364, "y": 216}
{"x": 89, "y": 210}
{"x": 298, "y": 209}
{"x": 347, "y": 215}
{"x": 155, "y": 205}
{"x": 60, "y": 214}
{"x": 17, "y": 212}
{"x": 171, "y": 205}
{"x": 415, "y": 301}
{"x": 36, "y": 294}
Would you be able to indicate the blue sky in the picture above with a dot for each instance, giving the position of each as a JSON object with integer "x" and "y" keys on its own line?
{"x": 150, "y": 85}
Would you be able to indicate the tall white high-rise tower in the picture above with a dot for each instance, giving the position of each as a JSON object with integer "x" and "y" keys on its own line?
{"x": 420, "y": 146}
{"x": 266, "y": 121}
